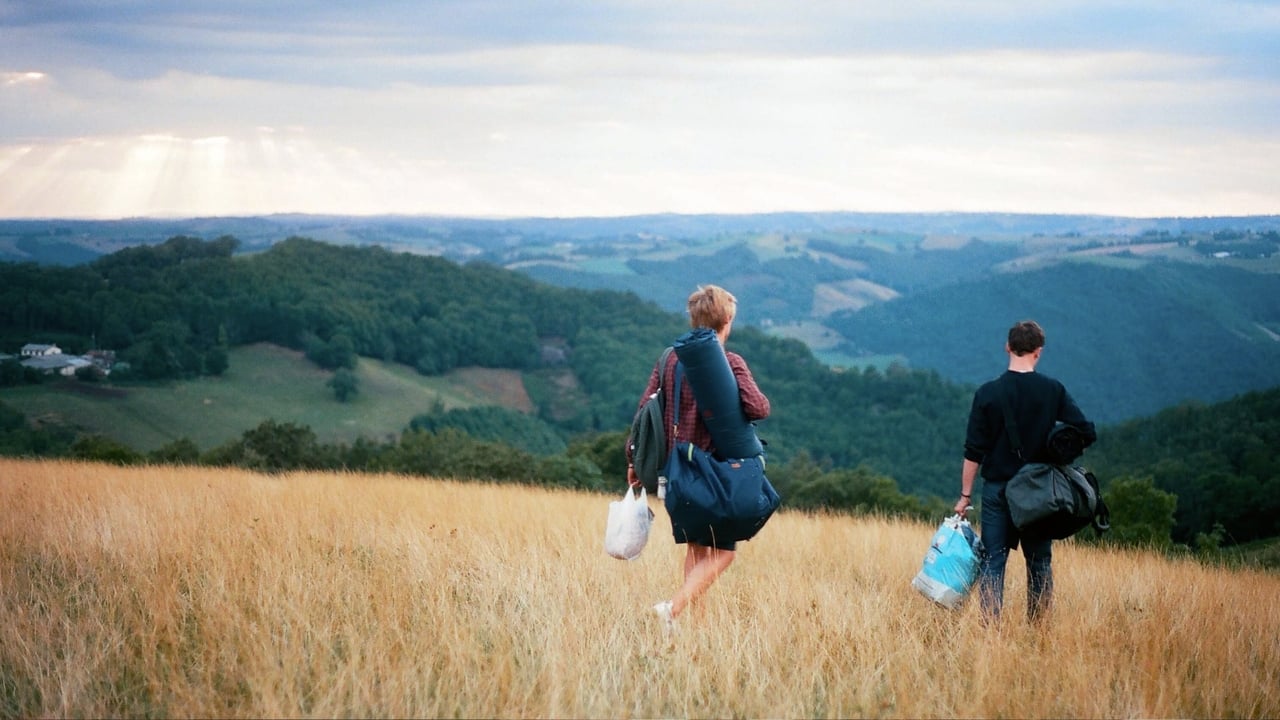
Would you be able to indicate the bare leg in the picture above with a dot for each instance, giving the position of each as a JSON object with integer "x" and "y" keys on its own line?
{"x": 691, "y": 555}
{"x": 702, "y": 565}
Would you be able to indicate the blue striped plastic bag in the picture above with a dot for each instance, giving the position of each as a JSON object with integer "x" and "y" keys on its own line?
{"x": 951, "y": 564}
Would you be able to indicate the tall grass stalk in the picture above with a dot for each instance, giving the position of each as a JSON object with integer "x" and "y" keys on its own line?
{"x": 144, "y": 592}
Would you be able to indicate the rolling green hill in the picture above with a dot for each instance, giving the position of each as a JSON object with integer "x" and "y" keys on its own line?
{"x": 179, "y": 311}
{"x": 1137, "y": 323}
{"x": 264, "y": 382}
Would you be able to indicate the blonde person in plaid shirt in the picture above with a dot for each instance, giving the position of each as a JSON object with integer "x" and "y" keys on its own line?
{"x": 707, "y": 553}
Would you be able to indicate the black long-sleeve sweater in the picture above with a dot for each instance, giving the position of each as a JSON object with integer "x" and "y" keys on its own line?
{"x": 1037, "y": 401}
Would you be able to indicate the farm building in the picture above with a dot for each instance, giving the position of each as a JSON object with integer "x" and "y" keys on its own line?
{"x": 40, "y": 350}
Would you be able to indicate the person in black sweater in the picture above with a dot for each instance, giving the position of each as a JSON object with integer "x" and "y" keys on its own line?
{"x": 1037, "y": 401}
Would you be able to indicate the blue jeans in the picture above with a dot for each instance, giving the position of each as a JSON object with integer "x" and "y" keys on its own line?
{"x": 999, "y": 536}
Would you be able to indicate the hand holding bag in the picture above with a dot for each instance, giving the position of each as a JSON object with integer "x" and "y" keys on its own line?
{"x": 951, "y": 564}
{"x": 627, "y": 531}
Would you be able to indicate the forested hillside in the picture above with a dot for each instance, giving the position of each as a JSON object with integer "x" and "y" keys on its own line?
{"x": 1221, "y": 460}
{"x": 1127, "y": 341}
{"x": 1136, "y": 323}
{"x": 170, "y": 311}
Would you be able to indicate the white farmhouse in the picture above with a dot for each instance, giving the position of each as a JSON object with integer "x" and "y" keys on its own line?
{"x": 39, "y": 350}
{"x": 50, "y": 359}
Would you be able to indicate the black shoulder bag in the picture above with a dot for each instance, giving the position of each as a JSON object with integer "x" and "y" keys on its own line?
{"x": 1047, "y": 500}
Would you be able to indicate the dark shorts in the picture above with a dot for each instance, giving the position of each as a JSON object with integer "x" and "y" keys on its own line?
{"x": 707, "y": 536}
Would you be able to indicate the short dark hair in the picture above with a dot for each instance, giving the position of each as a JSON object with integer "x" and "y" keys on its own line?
{"x": 1026, "y": 337}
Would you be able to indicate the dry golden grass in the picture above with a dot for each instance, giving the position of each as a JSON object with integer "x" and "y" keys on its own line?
{"x": 132, "y": 592}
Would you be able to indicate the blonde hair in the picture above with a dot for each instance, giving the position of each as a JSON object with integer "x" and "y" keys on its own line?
{"x": 711, "y": 306}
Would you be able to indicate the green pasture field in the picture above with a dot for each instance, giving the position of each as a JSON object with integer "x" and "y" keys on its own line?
{"x": 606, "y": 266}
{"x": 264, "y": 382}
{"x": 814, "y": 334}
{"x": 882, "y": 240}
{"x": 1266, "y": 265}
{"x": 826, "y": 346}
{"x": 773, "y": 246}
{"x": 1123, "y": 262}
{"x": 838, "y": 359}
{"x": 1036, "y": 262}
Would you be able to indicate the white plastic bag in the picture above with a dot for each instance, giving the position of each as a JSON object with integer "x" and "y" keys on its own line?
{"x": 629, "y": 521}
{"x": 951, "y": 563}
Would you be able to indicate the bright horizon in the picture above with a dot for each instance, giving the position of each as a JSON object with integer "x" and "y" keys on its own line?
{"x": 620, "y": 107}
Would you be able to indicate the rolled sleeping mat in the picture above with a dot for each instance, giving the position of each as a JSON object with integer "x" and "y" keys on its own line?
{"x": 716, "y": 389}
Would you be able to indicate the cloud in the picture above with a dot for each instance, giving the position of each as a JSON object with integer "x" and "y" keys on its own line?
{"x": 496, "y": 107}
{"x": 20, "y": 78}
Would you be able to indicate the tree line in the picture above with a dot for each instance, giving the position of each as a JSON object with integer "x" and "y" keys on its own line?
{"x": 1143, "y": 515}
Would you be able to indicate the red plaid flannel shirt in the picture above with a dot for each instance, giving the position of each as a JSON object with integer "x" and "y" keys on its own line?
{"x": 691, "y": 428}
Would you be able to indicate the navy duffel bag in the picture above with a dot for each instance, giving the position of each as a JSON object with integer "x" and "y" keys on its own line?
{"x": 728, "y": 492}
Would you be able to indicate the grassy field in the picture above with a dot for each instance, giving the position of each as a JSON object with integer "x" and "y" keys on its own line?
{"x": 813, "y": 334}
{"x": 264, "y": 382}
{"x": 825, "y": 345}
{"x": 842, "y": 360}
{"x": 142, "y": 592}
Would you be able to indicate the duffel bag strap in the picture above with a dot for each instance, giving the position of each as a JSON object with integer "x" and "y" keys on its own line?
{"x": 677, "y": 377}
{"x": 1102, "y": 515}
{"x": 1010, "y": 425}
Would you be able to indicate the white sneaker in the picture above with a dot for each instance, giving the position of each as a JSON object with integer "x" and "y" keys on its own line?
{"x": 663, "y": 611}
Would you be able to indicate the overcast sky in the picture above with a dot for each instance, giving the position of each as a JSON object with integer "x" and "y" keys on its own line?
{"x": 121, "y": 108}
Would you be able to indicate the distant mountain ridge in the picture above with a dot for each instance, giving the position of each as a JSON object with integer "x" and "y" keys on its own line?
{"x": 73, "y": 241}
